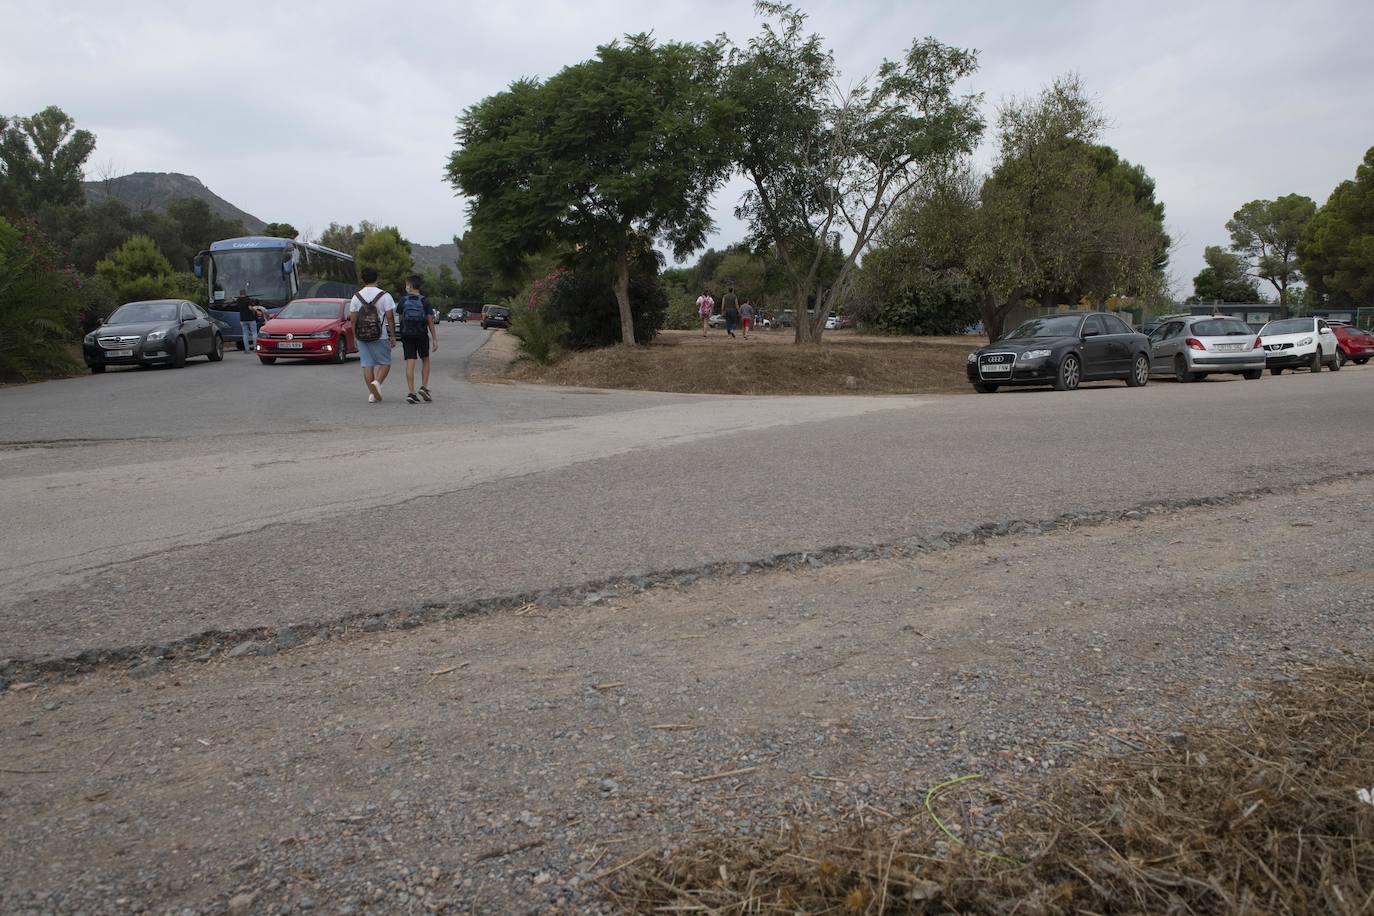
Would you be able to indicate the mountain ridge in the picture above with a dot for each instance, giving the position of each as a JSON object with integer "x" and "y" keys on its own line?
{"x": 156, "y": 190}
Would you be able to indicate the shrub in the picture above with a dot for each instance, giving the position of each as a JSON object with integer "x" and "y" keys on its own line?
{"x": 138, "y": 270}
{"x": 540, "y": 337}
{"x": 39, "y": 307}
{"x": 582, "y": 298}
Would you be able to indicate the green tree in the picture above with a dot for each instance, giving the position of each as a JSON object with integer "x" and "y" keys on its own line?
{"x": 822, "y": 163}
{"x": 196, "y": 226}
{"x": 1336, "y": 249}
{"x": 1059, "y": 219}
{"x": 620, "y": 147}
{"x": 1226, "y": 278}
{"x": 138, "y": 270}
{"x": 1266, "y": 233}
{"x": 344, "y": 237}
{"x": 440, "y": 286}
{"x": 41, "y": 161}
{"x": 39, "y": 305}
{"x": 385, "y": 250}
{"x": 280, "y": 231}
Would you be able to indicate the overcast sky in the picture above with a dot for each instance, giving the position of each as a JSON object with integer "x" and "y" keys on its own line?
{"x": 310, "y": 112}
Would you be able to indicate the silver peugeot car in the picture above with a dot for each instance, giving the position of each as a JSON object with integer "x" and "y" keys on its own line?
{"x": 1192, "y": 347}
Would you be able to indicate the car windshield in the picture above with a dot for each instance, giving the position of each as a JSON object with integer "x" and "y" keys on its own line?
{"x": 1221, "y": 327}
{"x": 1053, "y": 326}
{"x": 1288, "y": 326}
{"x": 138, "y": 312}
{"x": 301, "y": 309}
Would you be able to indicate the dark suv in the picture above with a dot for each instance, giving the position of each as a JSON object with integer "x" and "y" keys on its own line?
{"x": 495, "y": 316}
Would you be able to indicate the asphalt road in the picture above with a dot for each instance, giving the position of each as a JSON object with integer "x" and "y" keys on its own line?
{"x": 143, "y": 507}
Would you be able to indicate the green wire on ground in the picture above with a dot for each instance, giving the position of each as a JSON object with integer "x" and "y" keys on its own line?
{"x": 930, "y": 809}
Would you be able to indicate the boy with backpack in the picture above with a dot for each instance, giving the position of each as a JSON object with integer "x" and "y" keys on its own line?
{"x": 373, "y": 313}
{"x": 419, "y": 336}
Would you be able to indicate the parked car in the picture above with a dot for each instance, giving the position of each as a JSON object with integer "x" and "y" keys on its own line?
{"x": 457, "y": 315}
{"x": 1062, "y": 350}
{"x": 1293, "y": 342}
{"x": 153, "y": 331}
{"x": 716, "y": 321}
{"x": 1192, "y": 347}
{"x": 832, "y": 322}
{"x": 495, "y": 316}
{"x": 1353, "y": 344}
{"x": 316, "y": 329}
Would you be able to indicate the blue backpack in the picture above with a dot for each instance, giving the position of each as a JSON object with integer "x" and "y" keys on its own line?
{"x": 413, "y": 317}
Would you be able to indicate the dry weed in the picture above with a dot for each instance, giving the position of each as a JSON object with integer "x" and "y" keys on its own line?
{"x": 1258, "y": 817}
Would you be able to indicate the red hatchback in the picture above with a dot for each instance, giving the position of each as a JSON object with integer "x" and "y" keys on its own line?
{"x": 1354, "y": 345}
{"x": 308, "y": 329}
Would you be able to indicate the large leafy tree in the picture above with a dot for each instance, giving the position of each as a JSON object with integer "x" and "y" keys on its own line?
{"x": 389, "y": 253}
{"x": 280, "y": 230}
{"x": 825, "y": 164}
{"x": 1226, "y": 278}
{"x": 41, "y": 161}
{"x": 1059, "y": 219}
{"x": 1265, "y": 233}
{"x": 605, "y": 153}
{"x": 1336, "y": 249}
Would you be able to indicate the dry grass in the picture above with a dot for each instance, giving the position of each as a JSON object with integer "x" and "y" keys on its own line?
{"x": 1261, "y": 817}
{"x": 766, "y": 363}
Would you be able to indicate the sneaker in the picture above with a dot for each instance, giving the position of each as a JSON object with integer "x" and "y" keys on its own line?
{"x": 372, "y": 399}
{"x": 424, "y": 393}
{"x": 412, "y": 398}
{"x": 376, "y": 390}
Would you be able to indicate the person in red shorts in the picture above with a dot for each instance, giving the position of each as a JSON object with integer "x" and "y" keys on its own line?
{"x": 746, "y": 317}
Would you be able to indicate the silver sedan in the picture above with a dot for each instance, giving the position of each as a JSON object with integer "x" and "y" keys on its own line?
{"x": 1192, "y": 347}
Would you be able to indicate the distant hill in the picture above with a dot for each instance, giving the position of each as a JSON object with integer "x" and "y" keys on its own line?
{"x": 155, "y": 190}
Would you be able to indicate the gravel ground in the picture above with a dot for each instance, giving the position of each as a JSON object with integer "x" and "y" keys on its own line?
{"x": 508, "y": 761}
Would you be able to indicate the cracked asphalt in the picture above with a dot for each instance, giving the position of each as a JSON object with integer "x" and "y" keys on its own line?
{"x": 151, "y": 507}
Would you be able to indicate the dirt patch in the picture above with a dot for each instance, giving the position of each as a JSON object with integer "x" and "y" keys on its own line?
{"x": 492, "y": 361}
{"x": 766, "y": 363}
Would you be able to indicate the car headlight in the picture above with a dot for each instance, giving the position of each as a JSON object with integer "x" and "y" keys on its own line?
{"x": 323, "y": 334}
{"x": 156, "y": 335}
{"x": 972, "y": 357}
{"x": 1304, "y": 342}
{"x": 1035, "y": 354}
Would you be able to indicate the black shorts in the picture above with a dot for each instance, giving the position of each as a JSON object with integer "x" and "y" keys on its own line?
{"x": 415, "y": 347}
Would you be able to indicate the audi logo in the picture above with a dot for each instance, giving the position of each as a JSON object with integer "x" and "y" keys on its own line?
{"x": 996, "y": 359}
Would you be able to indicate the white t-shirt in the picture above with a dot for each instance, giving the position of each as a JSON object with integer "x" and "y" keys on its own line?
{"x": 384, "y": 304}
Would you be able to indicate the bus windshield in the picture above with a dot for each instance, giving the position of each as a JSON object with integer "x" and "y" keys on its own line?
{"x": 254, "y": 271}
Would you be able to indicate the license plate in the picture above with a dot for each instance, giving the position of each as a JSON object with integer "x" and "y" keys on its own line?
{"x": 1228, "y": 348}
{"x": 996, "y": 367}
{"x": 292, "y": 345}
{"x": 116, "y": 354}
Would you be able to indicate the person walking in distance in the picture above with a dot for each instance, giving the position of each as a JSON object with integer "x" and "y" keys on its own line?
{"x": 373, "y": 313}
{"x": 729, "y": 305}
{"x": 705, "y": 306}
{"x": 746, "y": 317}
{"x": 418, "y": 337}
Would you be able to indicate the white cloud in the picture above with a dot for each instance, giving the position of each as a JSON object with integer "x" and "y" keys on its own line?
{"x": 312, "y": 112}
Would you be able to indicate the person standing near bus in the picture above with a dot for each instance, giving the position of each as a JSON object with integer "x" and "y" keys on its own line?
{"x": 418, "y": 337}
{"x": 248, "y": 320}
{"x": 373, "y": 313}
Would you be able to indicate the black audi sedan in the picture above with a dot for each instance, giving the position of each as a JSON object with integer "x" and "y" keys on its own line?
{"x": 155, "y": 331}
{"x": 1062, "y": 350}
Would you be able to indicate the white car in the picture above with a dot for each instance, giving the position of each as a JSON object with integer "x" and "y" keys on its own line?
{"x": 1291, "y": 343}
{"x": 832, "y": 322}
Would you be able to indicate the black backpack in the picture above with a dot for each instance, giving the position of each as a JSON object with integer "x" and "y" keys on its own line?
{"x": 369, "y": 326}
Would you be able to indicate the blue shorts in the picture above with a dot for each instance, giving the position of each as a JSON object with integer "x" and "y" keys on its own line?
{"x": 374, "y": 352}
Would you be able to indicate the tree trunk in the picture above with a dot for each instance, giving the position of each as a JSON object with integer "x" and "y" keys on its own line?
{"x": 805, "y": 334}
{"x": 622, "y": 297}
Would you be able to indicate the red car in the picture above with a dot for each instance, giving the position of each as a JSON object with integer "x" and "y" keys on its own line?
{"x": 308, "y": 329}
{"x": 1353, "y": 345}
